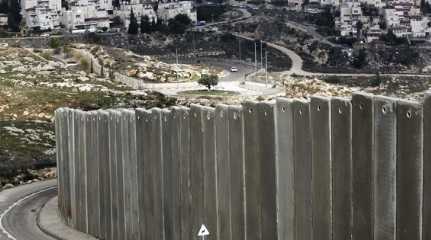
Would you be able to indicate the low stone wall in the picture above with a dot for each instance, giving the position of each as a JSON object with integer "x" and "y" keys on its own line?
{"x": 129, "y": 81}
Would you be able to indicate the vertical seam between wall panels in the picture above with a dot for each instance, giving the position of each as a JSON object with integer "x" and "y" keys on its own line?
{"x": 159, "y": 118}
{"x": 331, "y": 214}
{"x": 421, "y": 201}
{"x": 244, "y": 188}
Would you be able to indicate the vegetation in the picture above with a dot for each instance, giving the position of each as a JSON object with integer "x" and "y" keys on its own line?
{"x": 117, "y": 22}
{"x": 210, "y": 13}
{"x": 116, "y": 3}
{"x": 146, "y": 26}
{"x": 3, "y": 7}
{"x": 14, "y": 16}
{"x": 179, "y": 24}
{"x": 425, "y": 7}
{"x": 360, "y": 59}
{"x": 325, "y": 21}
{"x": 208, "y": 81}
{"x": 375, "y": 81}
{"x": 84, "y": 64}
{"x": 133, "y": 25}
{"x": 54, "y": 43}
{"x": 391, "y": 39}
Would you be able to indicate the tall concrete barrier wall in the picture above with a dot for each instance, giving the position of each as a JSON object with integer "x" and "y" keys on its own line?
{"x": 323, "y": 169}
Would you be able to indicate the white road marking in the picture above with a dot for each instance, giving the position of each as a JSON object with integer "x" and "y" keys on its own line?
{"x": 11, "y": 207}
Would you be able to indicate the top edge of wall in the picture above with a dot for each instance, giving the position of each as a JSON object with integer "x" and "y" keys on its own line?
{"x": 248, "y": 103}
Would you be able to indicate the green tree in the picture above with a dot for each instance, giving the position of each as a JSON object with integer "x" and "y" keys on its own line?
{"x": 359, "y": 26}
{"x": 116, "y": 3}
{"x": 208, "y": 80}
{"x": 133, "y": 25}
{"x": 360, "y": 59}
{"x": 391, "y": 39}
{"x": 425, "y": 7}
{"x": 4, "y": 7}
{"x": 14, "y": 15}
{"x": 117, "y": 22}
{"x": 179, "y": 24}
{"x": 145, "y": 24}
{"x": 375, "y": 81}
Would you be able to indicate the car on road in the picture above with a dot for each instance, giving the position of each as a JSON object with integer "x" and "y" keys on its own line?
{"x": 45, "y": 35}
{"x": 234, "y": 69}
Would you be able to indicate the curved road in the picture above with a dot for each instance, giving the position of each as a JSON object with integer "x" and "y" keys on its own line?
{"x": 19, "y": 210}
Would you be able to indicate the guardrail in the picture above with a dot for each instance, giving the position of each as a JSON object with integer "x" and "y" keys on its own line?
{"x": 328, "y": 168}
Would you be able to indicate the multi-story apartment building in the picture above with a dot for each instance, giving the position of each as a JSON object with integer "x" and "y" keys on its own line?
{"x": 169, "y": 9}
{"x": 3, "y": 21}
{"x": 139, "y": 9}
{"x": 87, "y": 15}
{"x": 405, "y": 19}
{"x": 350, "y": 15}
{"x": 41, "y": 14}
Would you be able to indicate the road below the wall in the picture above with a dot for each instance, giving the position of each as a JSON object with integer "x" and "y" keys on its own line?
{"x": 20, "y": 208}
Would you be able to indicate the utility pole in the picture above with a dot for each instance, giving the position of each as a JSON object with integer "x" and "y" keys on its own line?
{"x": 266, "y": 68}
{"x": 261, "y": 55}
{"x": 255, "y": 56}
{"x": 176, "y": 54}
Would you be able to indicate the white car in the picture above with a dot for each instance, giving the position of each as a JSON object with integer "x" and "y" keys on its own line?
{"x": 234, "y": 69}
{"x": 45, "y": 35}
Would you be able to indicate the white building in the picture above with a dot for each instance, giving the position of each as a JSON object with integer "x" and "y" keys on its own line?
{"x": 405, "y": 19}
{"x": 296, "y": 4}
{"x": 139, "y": 10}
{"x": 335, "y": 3}
{"x": 350, "y": 15}
{"x": 3, "y": 21}
{"x": 419, "y": 27}
{"x": 168, "y": 10}
{"x": 41, "y": 14}
{"x": 89, "y": 15}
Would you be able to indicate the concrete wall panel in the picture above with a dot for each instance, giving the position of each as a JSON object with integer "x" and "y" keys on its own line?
{"x": 209, "y": 171}
{"x": 260, "y": 171}
{"x": 384, "y": 168}
{"x": 303, "y": 169}
{"x": 253, "y": 188}
{"x": 362, "y": 145}
{"x": 185, "y": 204}
{"x": 153, "y": 177}
{"x": 171, "y": 170}
{"x": 224, "y": 230}
{"x": 409, "y": 170}
{"x": 72, "y": 168}
{"x": 427, "y": 168}
{"x": 320, "y": 123}
{"x": 127, "y": 174}
{"x": 82, "y": 171}
{"x": 104, "y": 174}
{"x": 141, "y": 117}
{"x": 285, "y": 169}
{"x": 236, "y": 155}
{"x": 92, "y": 161}
{"x": 341, "y": 153}
{"x": 196, "y": 169}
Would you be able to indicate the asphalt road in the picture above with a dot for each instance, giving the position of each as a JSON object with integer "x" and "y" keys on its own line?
{"x": 19, "y": 210}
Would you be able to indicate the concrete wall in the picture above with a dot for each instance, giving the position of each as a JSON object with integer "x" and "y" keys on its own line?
{"x": 324, "y": 169}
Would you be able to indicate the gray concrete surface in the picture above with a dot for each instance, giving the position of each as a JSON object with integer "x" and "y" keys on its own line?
{"x": 19, "y": 209}
{"x": 51, "y": 223}
{"x": 329, "y": 168}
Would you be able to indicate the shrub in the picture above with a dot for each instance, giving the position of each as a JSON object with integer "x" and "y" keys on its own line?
{"x": 84, "y": 64}
{"x": 208, "y": 80}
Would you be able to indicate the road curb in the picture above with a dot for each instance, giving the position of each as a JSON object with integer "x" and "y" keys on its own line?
{"x": 50, "y": 222}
